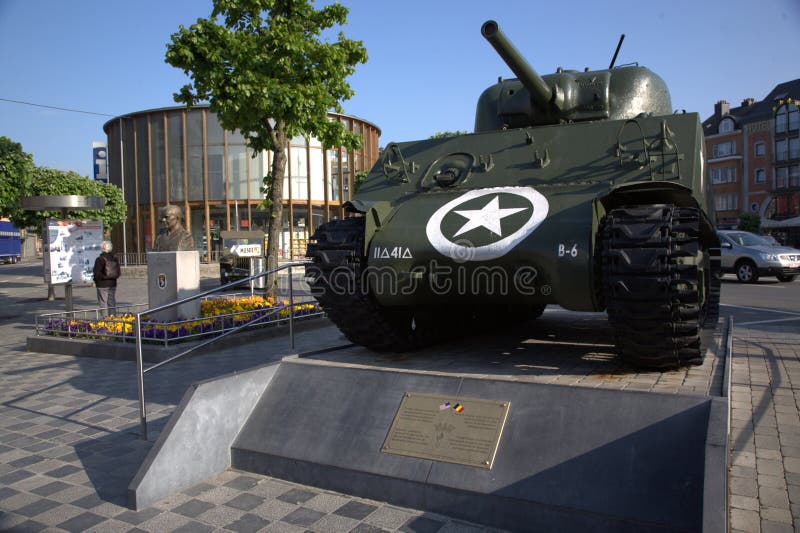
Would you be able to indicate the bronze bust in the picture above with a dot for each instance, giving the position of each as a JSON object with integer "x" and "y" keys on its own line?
{"x": 173, "y": 237}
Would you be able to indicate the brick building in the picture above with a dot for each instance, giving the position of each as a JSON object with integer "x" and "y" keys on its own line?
{"x": 753, "y": 158}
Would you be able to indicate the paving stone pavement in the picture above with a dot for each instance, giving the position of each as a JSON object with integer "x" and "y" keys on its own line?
{"x": 69, "y": 428}
{"x": 69, "y": 440}
{"x": 764, "y": 482}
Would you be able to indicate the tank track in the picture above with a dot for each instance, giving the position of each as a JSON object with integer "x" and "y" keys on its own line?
{"x": 661, "y": 304}
{"x": 335, "y": 279}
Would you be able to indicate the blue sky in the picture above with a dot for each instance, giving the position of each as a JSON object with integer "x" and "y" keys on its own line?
{"x": 427, "y": 61}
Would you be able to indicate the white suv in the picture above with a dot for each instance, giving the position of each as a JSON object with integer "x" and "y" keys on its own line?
{"x": 749, "y": 256}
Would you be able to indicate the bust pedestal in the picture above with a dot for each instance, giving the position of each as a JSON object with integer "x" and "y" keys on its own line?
{"x": 172, "y": 276}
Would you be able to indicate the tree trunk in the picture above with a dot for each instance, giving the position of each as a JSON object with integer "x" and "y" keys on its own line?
{"x": 276, "y": 209}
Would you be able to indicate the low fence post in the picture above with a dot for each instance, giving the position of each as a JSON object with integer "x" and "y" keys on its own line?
{"x": 140, "y": 378}
{"x": 291, "y": 307}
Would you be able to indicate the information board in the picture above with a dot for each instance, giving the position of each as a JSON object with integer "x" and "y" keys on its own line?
{"x": 70, "y": 250}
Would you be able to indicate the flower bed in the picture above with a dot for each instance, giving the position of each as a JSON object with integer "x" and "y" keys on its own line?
{"x": 217, "y": 316}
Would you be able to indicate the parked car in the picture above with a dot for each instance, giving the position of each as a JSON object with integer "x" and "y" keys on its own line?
{"x": 750, "y": 256}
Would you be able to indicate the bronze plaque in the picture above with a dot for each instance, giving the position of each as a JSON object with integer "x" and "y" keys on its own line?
{"x": 448, "y": 428}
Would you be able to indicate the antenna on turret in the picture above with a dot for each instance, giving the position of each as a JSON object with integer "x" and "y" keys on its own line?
{"x": 619, "y": 45}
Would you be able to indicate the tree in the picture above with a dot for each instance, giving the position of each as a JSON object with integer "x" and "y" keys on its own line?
{"x": 749, "y": 222}
{"x": 51, "y": 182}
{"x": 16, "y": 169}
{"x": 358, "y": 180}
{"x": 444, "y": 134}
{"x": 265, "y": 71}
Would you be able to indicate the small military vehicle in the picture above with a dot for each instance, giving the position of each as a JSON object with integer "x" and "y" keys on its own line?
{"x": 581, "y": 189}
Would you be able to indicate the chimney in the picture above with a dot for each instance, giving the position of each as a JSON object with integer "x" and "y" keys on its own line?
{"x": 721, "y": 108}
{"x": 747, "y": 102}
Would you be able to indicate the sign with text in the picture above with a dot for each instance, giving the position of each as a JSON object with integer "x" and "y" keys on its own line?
{"x": 448, "y": 428}
{"x": 70, "y": 250}
{"x": 246, "y": 250}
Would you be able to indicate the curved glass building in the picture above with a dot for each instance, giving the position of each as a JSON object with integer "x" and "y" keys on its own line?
{"x": 183, "y": 156}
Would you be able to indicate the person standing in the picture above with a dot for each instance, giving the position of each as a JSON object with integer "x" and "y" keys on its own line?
{"x": 106, "y": 272}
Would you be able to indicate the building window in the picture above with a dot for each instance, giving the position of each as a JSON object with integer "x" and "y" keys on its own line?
{"x": 781, "y": 153}
{"x": 726, "y": 202}
{"x": 157, "y": 153}
{"x": 787, "y": 118}
{"x": 794, "y": 176}
{"x": 722, "y": 175}
{"x": 780, "y": 119}
{"x": 726, "y": 126}
{"x": 794, "y": 148}
{"x": 175, "y": 156}
{"x": 760, "y": 149}
{"x": 723, "y": 149}
{"x": 761, "y": 175}
{"x": 194, "y": 136}
{"x": 781, "y": 175}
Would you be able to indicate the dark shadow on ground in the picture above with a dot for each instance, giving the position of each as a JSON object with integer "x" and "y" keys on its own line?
{"x": 562, "y": 345}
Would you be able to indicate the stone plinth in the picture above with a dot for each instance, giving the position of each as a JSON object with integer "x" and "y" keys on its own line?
{"x": 173, "y": 276}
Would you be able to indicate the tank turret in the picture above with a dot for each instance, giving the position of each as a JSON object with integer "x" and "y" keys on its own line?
{"x": 567, "y": 95}
{"x": 543, "y": 95}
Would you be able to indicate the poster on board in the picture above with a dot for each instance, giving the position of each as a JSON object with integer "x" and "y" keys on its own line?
{"x": 70, "y": 249}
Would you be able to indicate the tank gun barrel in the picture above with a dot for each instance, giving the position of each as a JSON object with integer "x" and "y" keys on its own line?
{"x": 541, "y": 92}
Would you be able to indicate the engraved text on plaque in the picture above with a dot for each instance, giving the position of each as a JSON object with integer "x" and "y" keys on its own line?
{"x": 448, "y": 428}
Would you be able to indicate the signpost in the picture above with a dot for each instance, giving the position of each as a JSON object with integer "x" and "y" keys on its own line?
{"x": 252, "y": 251}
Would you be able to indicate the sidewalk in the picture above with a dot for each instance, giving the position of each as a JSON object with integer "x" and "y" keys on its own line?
{"x": 69, "y": 432}
{"x": 764, "y": 481}
{"x": 69, "y": 440}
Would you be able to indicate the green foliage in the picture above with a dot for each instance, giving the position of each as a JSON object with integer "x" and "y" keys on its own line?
{"x": 749, "y": 222}
{"x": 19, "y": 178}
{"x": 443, "y": 134}
{"x": 16, "y": 168}
{"x": 51, "y": 182}
{"x": 266, "y": 191}
{"x": 359, "y": 180}
{"x": 262, "y": 65}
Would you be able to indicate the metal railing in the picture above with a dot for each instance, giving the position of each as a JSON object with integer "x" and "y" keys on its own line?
{"x": 141, "y": 371}
{"x": 135, "y": 258}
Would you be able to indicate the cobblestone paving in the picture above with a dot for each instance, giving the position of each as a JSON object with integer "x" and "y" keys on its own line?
{"x": 69, "y": 447}
{"x": 69, "y": 442}
{"x": 764, "y": 479}
{"x": 69, "y": 426}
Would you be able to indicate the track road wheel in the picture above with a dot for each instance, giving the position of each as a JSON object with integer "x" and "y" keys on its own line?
{"x": 336, "y": 280}
{"x": 660, "y": 284}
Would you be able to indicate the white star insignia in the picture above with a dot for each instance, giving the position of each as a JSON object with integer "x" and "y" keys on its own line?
{"x": 488, "y": 217}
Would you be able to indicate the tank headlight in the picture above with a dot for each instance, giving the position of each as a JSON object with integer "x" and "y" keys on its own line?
{"x": 447, "y": 177}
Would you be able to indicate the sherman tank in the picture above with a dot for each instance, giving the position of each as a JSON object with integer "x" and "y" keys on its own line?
{"x": 579, "y": 188}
